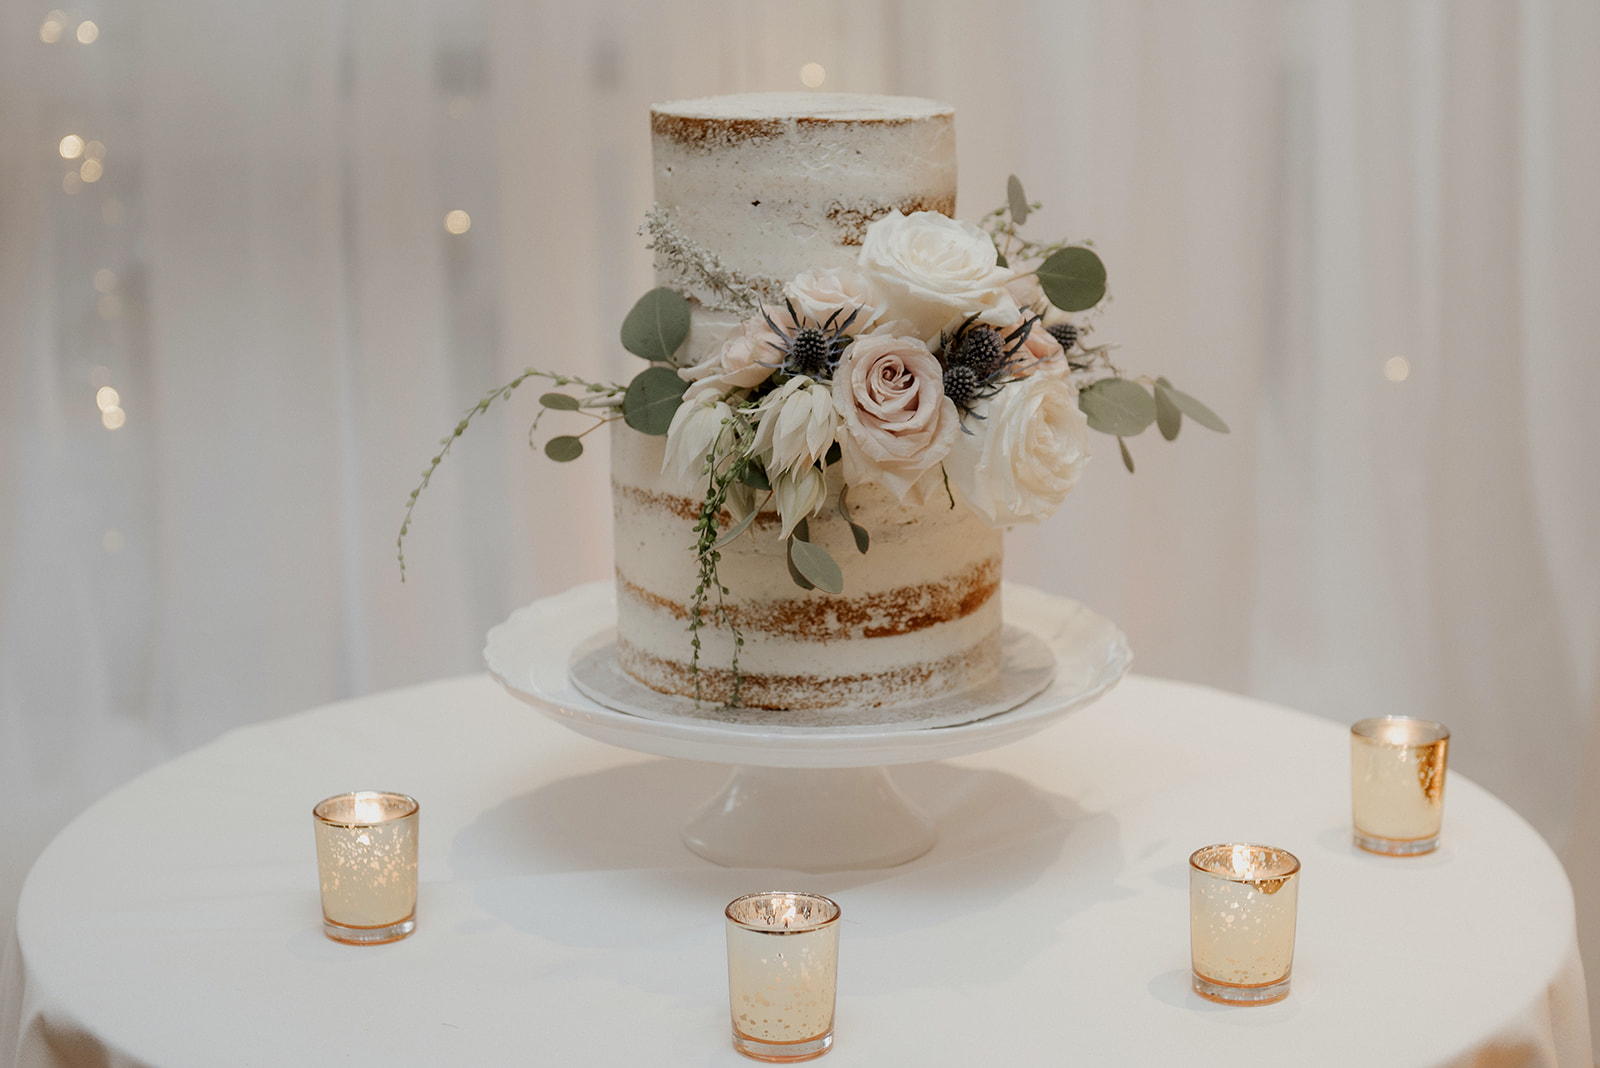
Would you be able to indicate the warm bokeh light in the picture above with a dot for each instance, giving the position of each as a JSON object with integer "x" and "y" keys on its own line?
{"x": 109, "y": 306}
{"x": 113, "y": 418}
{"x": 813, "y": 74}
{"x": 106, "y": 398}
{"x": 1397, "y": 368}
{"x": 70, "y": 182}
{"x": 54, "y": 23}
{"x": 91, "y": 170}
{"x": 105, "y": 280}
{"x": 71, "y": 146}
{"x": 94, "y": 150}
{"x": 87, "y": 32}
{"x": 458, "y": 222}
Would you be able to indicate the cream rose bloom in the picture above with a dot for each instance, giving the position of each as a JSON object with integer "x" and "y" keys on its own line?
{"x": 935, "y": 271}
{"x": 820, "y": 295}
{"x": 895, "y": 421}
{"x": 1027, "y": 451}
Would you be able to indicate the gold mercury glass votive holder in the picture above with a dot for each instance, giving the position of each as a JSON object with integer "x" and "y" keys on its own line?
{"x": 367, "y": 863}
{"x": 783, "y": 965}
{"x": 1242, "y": 902}
{"x": 1397, "y": 784}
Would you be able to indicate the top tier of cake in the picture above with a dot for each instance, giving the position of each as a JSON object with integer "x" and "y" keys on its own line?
{"x": 781, "y": 183}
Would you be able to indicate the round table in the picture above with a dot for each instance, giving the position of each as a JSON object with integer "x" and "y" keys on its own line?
{"x": 561, "y": 920}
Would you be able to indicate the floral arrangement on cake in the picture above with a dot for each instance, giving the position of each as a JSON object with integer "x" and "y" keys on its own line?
{"x": 953, "y": 361}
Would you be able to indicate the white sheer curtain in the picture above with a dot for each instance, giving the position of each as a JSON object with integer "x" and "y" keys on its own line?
{"x": 1367, "y": 234}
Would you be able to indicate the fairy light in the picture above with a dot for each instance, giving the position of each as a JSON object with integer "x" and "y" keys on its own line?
{"x": 54, "y": 25}
{"x": 91, "y": 170}
{"x": 71, "y": 146}
{"x": 113, "y": 418}
{"x": 458, "y": 222}
{"x": 107, "y": 398}
{"x": 94, "y": 150}
{"x": 88, "y": 32}
{"x": 1397, "y": 368}
{"x": 813, "y": 74}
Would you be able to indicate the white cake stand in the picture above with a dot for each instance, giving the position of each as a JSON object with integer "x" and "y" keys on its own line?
{"x": 801, "y": 798}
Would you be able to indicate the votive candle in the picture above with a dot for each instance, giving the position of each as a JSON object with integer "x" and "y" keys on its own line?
{"x": 1242, "y": 901}
{"x": 367, "y": 862}
{"x": 1397, "y": 767}
{"x": 783, "y": 962}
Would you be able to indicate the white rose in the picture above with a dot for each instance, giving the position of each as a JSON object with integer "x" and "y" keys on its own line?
{"x": 798, "y": 494}
{"x": 1027, "y": 451}
{"x": 795, "y": 425}
{"x": 823, "y": 295}
{"x": 936, "y": 271}
{"x": 695, "y": 427}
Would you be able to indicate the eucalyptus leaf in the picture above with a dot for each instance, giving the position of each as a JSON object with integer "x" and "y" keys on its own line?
{"x": 1127, "y": 457}
{"x": 794, "y": 572}
{"x": 816, "y": 566}
{"x": 656, "y": 325}
{"x": 652, "y": 397}
{"x": 738, "y": 528}
{"x": 843, "y": 508}
{"x": 1073, "y": 279}
{"x": 1117, "y": 406}
{"x": 559, "y": 401}
{"x": 863, "y": 539}
{"x": 563, "y": 449}
{"x": 802, "y": 532}
{"x": 1193, "y": 408}
{"x": 1016, "y": 201}
{"x": 1169, "y": 420}
{"x": 755, "y": 476}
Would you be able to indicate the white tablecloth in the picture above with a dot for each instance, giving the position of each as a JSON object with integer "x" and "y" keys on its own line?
{"x": 560, "y": 920}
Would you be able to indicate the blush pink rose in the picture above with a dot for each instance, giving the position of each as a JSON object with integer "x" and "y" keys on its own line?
{"x": 823, "y": 295}
{"x": 1039, "y": 351}
{"x": 895, "y": 421}
{"x": 744, "y": 361}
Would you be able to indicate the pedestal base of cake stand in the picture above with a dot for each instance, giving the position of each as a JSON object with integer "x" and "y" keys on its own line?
{"x": 807, "y": 799}
{"x": 809, "y": 819}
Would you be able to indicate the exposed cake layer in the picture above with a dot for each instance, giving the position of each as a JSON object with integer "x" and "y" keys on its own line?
{"x": 781, "y": 183}
{"x": 920, "y": 615}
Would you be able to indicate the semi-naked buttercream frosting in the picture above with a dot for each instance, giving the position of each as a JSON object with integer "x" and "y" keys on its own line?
{"x": 776, "y": 185}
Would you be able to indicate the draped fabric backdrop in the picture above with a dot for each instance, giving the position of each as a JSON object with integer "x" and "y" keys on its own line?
{"x": 1367, "y": 234}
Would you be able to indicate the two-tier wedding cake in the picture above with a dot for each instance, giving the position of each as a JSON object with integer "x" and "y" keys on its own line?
{"x": 784, "y": 186}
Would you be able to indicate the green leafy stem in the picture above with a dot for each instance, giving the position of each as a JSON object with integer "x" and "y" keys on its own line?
{"x": 739, "y": 468}
{"x": 601, "y": 394}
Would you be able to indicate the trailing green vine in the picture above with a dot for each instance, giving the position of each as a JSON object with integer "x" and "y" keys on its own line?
{"x": 728, "y": 470}
{"x": 601, "y": 395}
